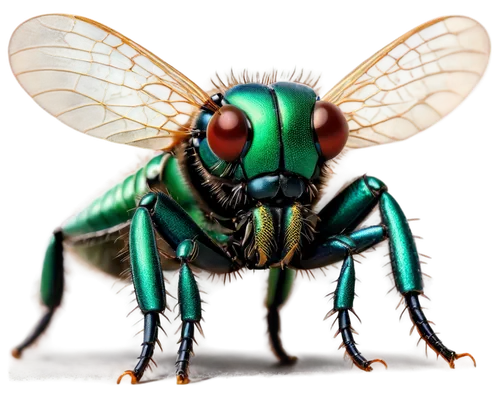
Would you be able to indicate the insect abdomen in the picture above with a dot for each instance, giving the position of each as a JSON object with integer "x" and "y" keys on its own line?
{"x": 117, "y": 205}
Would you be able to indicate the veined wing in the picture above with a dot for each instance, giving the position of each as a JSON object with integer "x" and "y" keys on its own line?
{"x": 413, "y": 82}
{"x": 103, "y": 84}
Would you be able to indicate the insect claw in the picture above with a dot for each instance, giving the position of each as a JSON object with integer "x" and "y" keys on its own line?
{"x": 463, "y": 360}
{"x": 375, "y": 365}
{"x": 182, "y": 379}
{"x": 133, "y": 377}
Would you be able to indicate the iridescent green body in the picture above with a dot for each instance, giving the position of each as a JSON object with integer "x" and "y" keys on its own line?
{"x": 282, "y": 139}
{"x": 118, "y": 204}
{"x": 242, "y": 168}
{"x": 190, "y": 208}
{"x": 282, "y": 156}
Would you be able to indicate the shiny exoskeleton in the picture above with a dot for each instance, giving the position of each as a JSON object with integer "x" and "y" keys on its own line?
{"x": 237, "y": 187}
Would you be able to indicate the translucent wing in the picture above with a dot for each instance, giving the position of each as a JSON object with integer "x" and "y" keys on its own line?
{"x": 413, "y": 82}
{"x": 101, "y": 83}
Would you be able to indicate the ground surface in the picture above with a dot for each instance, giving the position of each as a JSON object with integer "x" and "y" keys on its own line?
{"x": 104, "y": 365}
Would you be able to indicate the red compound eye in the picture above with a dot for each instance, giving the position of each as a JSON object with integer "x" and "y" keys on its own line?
{"x": 331, "y": 128}
{"x": 227, "y": 132}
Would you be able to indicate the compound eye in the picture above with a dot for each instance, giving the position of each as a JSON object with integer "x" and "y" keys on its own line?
{"x": 331, "y": 128}
{"x": 227, "y": 132}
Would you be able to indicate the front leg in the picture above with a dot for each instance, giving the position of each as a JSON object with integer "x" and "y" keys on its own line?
{"x": 343, "y": 214}
{"x": 351, "y": 206}
{"x": 337, "y": 248}
{"x": 147, "y": 277}
{"x": 159, "y": 212}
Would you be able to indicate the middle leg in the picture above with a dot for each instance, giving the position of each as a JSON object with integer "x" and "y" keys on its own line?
{"x": 279, "y": 288}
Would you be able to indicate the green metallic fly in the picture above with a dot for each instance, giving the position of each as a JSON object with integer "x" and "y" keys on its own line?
{"x": 240, "y": 169}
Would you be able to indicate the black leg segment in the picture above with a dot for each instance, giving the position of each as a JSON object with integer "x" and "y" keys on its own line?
{"x": 184, "y": 353}
{"x": 346, "y": 330}
{"x": 423, "y": 327}
{"x": 151, "y": 325}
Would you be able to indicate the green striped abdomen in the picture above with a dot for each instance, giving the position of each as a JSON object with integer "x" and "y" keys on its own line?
{"x": 118, "y": 204}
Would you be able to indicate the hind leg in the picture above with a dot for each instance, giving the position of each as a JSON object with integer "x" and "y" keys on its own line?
{"x": 279, "y": 287}
{"x": 51, "y": 290}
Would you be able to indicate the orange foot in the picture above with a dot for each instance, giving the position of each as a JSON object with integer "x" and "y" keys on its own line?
{"x": 376, "y": 365}
{"x": 15, "y": 354}
{"x": 133, "y": 377}
{"x": 182, "y": 380}
{"x": 463, "y": 360}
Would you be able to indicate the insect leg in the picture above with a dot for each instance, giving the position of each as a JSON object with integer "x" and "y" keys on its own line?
{"x": 408, "y": 278}
{"x": 175, "y": 225}
{"x": 192, "y": 252}
{"x": 147, "y": 278}
{"x": 51, "y": 289}
{"x": 159, "y": 212}
{"x": 337, "y": 248}
{"x": 279, "y": 288}
{"x": 190, "y": 308}
{"x": 347, "y": 210}
{"x": 344, "y": 303}
{"x": 406, "y": 267}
